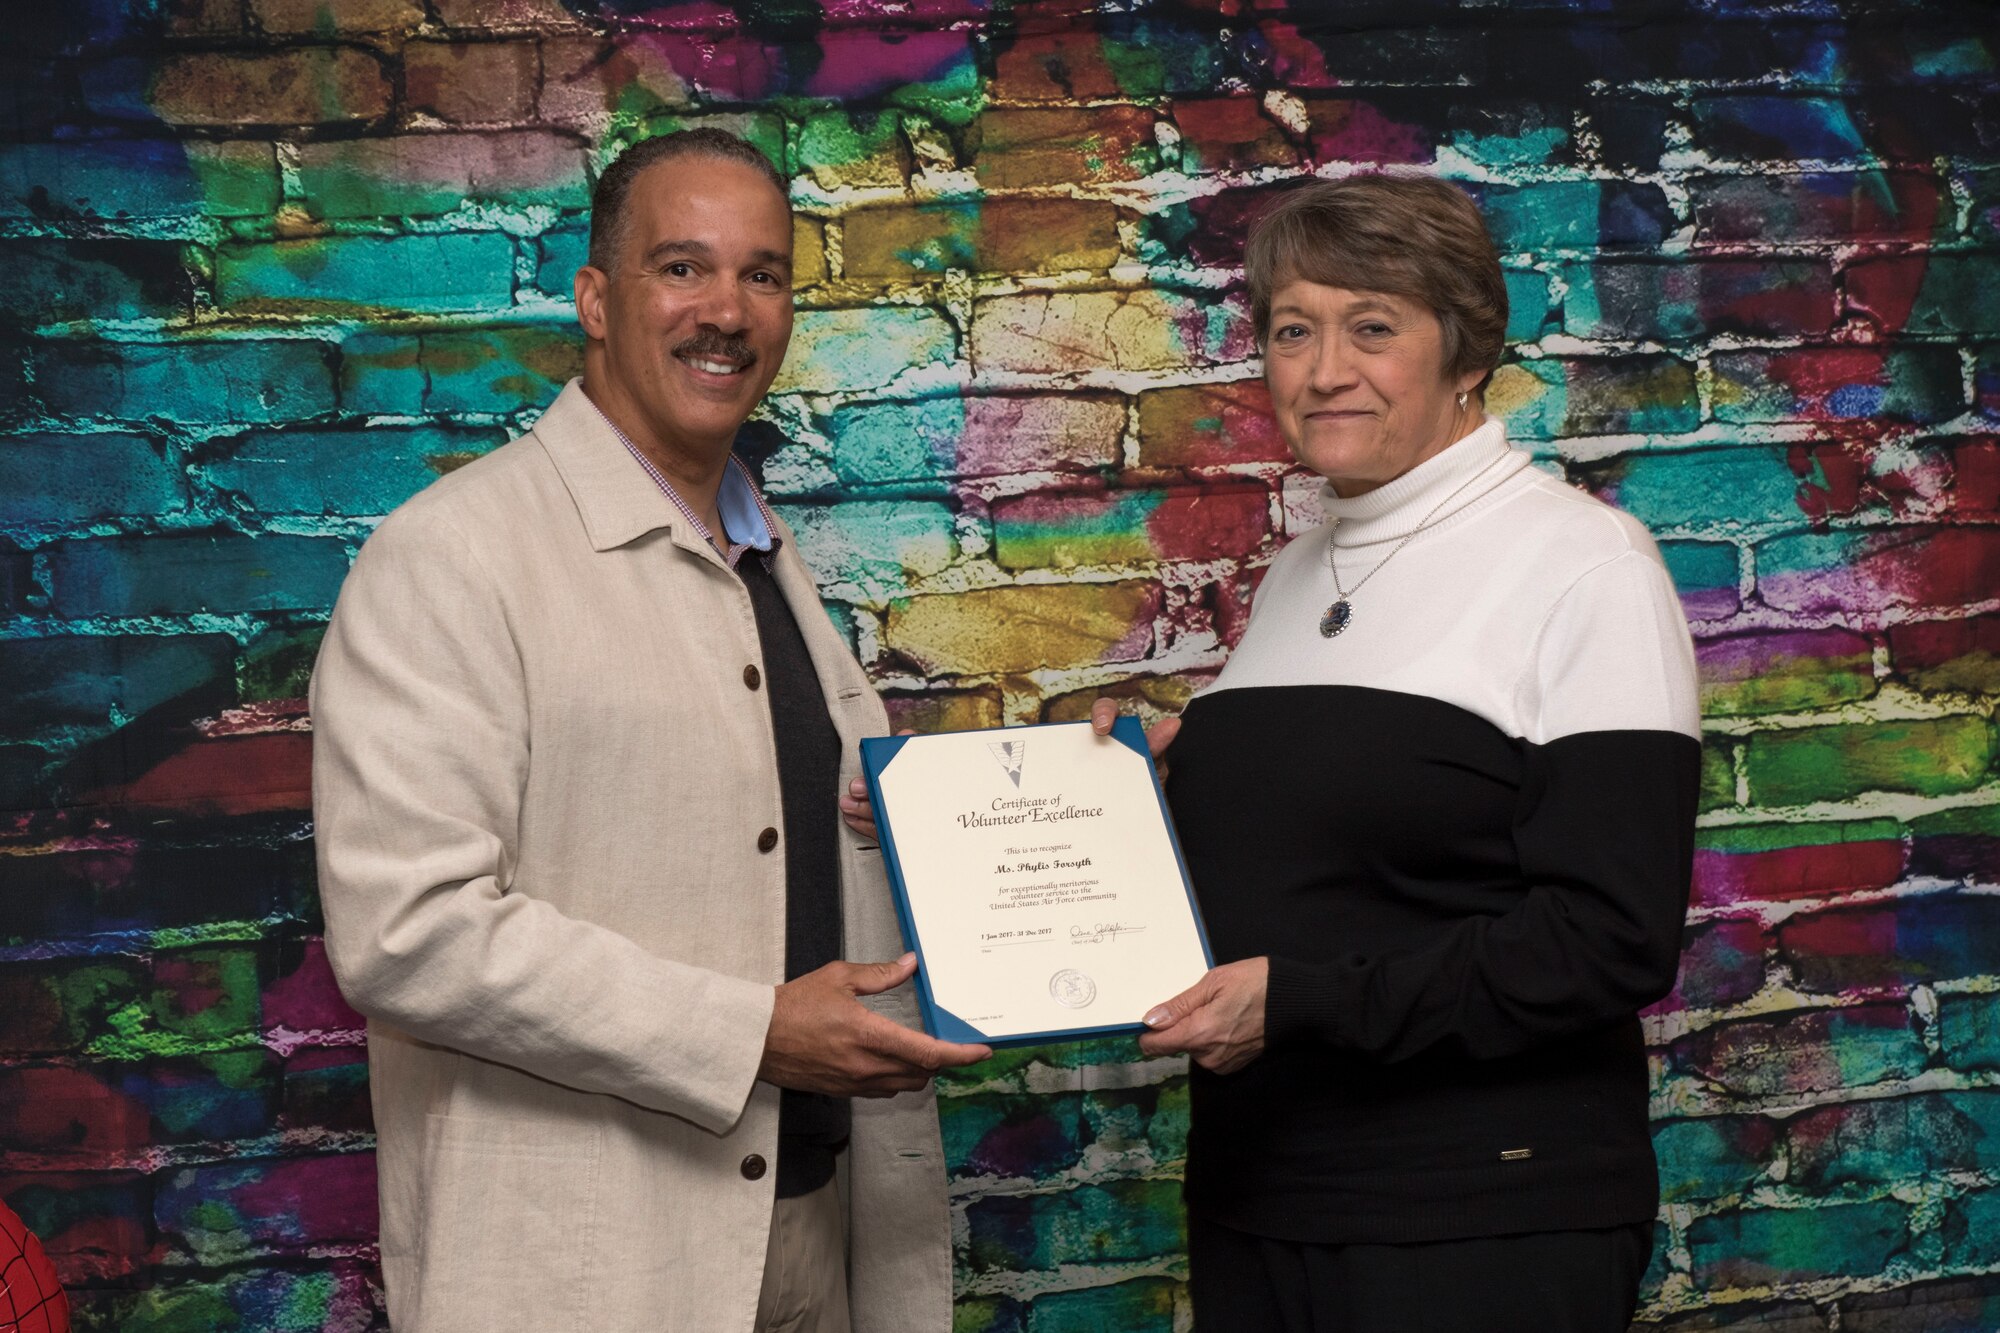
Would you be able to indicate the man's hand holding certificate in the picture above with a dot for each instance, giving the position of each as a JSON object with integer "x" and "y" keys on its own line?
{"x": 1038, "y": 880}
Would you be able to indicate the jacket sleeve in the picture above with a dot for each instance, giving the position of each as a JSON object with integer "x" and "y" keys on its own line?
{"x": 420, "y": 761}
{"x": 1604, "y": 835}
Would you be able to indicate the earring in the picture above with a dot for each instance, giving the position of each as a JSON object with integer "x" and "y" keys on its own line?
{"x": 1461, "y": 400}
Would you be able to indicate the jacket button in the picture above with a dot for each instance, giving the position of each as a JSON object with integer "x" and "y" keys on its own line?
{"x": 767, "y": 840}
{"x": 751, "y": 677}
{"x": 753, "y": 1167}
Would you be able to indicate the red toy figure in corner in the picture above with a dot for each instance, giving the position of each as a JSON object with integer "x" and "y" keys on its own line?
{"x": 31, "y": 1300}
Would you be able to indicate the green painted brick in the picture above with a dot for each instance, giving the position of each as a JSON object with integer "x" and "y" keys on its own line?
{"x": 356, "y": 274}
{"x": 858, "y": 150}
{"x": 1144, "y": 1305}
{"x": 1550, "y": 397}
{"x": 204, "y": 995}
{"x": 418, "y": 175}
{"x": 1780, "y": 1245}
{"x": 1926, "y": 756}
{"x": 1718, "y": 774}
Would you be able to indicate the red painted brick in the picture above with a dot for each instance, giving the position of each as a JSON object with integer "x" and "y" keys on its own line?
{"x": 1873, "y": 205}
{"x": 471, "y": 82}
{"x": 1230, "y": 134}
{"x": 1948, "y": 654}
{"x": 63, "y": 1110}
{"x": 308, "y": 85}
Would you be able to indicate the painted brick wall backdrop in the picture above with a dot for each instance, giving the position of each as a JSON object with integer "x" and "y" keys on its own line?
{"x": 269, "y": 266}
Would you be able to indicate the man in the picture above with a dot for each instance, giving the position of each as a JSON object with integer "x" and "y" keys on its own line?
{"x": 580, "y": 725}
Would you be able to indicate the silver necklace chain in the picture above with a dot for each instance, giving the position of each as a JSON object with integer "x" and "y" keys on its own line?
{"x": 1341, "y": 614}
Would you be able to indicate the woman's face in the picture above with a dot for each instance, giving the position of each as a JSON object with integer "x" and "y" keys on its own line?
{"x": 1358, "y": 383}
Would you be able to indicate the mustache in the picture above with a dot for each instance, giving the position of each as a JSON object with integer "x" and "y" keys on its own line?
{"x": 713, "y": 346}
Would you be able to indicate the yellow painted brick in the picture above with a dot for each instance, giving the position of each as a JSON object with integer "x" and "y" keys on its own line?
{"x": 808, "y": 251}
{"x": 1023, "y": 628}
{"x": 304, "y": 18}
{"x": 1046, "y": 235}
{"x": 1138, "y": 330}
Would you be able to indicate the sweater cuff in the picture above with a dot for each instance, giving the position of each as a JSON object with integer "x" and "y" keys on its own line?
{"x": 1299, "y": 1001}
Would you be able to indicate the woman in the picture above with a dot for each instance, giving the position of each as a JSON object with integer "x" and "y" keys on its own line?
{"x": 1438, "y": 809}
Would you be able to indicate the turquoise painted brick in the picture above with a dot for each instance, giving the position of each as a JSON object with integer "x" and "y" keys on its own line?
{"x": 76, "y": 680}
{"x": 558, "y": 255}
{"x": 138, "y": 179}
{"x": 1527, "y": 305}
{"x": 181, "y": 573}
{"x": 1558, "y": 215}
{"x": 1552, "y": 397}
{"x": 1969, "y": 1029}
{"x": 1119, "y": 1221}
{"x": 55, "y": 481}
{"x": 420, "y": 175}
{"x": 501, "y": 371}
{"x": 1713, "y": 1157}
{"x": 1792, "y": 1244}
{"x": 351, "y": 472}
{"x": 1144, "y": 1305}
{"x": 884, "y": 443}
{"x": 1883, "y": 1141}
{"x": 878, "y": 549}
{"x": 1012, "y": 1134}
{"x": 1714, "y": 489}
{"x": 1511, "y": 134}
{"x": 856, "y": 351}
{"x": 450, "y": 271}
{"x": 208, "y": 382}
{"x": 1817, "y": 1051}
{"x": 47, "y": 282}
{"x": 382, "y": 373}
{"x": 1972, "y": 1229}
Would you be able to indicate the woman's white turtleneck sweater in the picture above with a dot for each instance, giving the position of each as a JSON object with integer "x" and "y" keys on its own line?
{"x": 1461, "y": 830}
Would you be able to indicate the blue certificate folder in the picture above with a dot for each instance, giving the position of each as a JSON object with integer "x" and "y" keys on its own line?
{"x": 877, "y": 754}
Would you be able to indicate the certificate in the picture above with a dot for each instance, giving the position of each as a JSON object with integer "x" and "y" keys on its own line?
{"x": 1038, "y": 879}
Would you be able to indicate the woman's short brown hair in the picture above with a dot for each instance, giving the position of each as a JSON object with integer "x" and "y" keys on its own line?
{"x": 1412, "y": 236}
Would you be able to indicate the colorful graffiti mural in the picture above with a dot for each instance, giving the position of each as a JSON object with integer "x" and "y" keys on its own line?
{"x": 273, "y": 265}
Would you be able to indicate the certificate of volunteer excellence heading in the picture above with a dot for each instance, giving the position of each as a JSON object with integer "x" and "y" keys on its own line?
{"x": 1038, "y": 879}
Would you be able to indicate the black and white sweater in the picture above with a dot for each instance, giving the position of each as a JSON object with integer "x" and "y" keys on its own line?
{"x": 1461, "y": 830}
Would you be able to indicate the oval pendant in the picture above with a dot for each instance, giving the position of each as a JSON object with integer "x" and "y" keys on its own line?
{"x": 1336, "y": 618}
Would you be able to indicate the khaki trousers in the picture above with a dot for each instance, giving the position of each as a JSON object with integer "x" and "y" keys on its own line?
{"x": 805, "y": 1266}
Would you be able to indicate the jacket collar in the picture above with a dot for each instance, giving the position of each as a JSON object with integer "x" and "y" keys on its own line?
{"x": 618, "y": 502}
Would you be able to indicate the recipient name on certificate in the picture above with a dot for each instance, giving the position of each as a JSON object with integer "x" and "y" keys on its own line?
{"x": 1038, "y": 879}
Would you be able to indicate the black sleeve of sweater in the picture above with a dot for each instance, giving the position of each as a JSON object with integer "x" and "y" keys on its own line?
{"x": 1605, "y": 835}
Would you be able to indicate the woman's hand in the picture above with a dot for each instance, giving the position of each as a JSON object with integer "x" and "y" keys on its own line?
{"x": 1218, "y": 1021}
{"x": 856, "y": 810}
{"x": 1158, "y": 736}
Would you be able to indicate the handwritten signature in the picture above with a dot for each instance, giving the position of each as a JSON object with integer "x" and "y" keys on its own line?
{"x": 1100, "y": 932}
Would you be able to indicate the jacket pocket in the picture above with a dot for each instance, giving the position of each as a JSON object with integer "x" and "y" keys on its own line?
{"x": 504, "y": 1200}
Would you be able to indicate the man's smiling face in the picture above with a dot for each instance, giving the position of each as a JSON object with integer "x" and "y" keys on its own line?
{"x": 691, "y": 324}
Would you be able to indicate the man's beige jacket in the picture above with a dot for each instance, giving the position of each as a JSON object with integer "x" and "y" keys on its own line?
{"x": 540, "y": 774}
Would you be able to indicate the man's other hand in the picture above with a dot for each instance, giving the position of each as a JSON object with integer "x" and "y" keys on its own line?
{"x": 823, "y": 1040}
